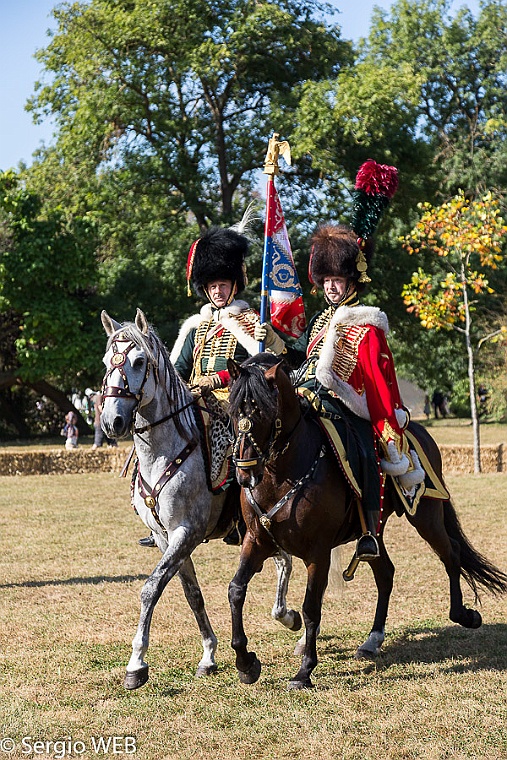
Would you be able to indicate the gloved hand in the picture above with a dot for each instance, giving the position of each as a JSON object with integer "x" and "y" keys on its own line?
{"x": 414, "y": 476}
{"x": 264, "y": 332}
{"x": 394, "y": 463}
{"x": 209, "y": 383}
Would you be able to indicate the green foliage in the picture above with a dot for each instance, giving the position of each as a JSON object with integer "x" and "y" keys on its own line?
{"x": 162, "y": 112}
{"x": 460, "y": 63}
{"x": 47, "y": 274}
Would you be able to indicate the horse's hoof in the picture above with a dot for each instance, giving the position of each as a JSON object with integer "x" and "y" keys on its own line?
{"x": 299, "y": 685}
{"x": 476, "y": 619}
{"x": 298, "y": 621}
{"x": 468, "y": 618}
{"x": 252, "y": 674}
{"x": 365, "y": 654}
{"x": 206, "y": 670}
{"x": 136, "y": 678}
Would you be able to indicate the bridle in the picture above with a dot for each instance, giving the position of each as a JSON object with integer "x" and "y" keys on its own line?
{"x": 149, "y": 494}
{"x": 117, "y": 362}
{"x": 245, "y": 437}
{"x": 270, "y": 452}
{"x": 265, "y": 457}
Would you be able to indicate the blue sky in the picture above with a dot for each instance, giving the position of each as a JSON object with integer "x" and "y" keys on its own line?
{"x": 23, "y": 27}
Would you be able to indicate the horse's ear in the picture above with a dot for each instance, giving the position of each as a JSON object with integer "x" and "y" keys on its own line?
{"x": 142, "y": 322}
{"x": 234, "y": 369}
{"x": 110, "y": 324}
{"x": 271, "y": 374}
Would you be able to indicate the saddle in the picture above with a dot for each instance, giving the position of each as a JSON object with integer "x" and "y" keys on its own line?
{"x": 347, "y": 450}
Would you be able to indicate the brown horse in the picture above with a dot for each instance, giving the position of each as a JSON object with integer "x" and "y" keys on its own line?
{"x": 295, "y": 497}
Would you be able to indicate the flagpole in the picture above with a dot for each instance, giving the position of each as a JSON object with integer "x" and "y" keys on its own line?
{"x": 271, "y": 169}
{"x": 264, "y": 310}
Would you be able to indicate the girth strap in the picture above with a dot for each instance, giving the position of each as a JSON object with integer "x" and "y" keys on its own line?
{"x": 150, "y": 495}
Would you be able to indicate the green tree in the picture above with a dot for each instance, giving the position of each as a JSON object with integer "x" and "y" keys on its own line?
{"x": 162, "y": 113}
{"x": 427, "y": 94}
{"x": 466, "y": 237}
{"x": 47, "y": 295}
{"x": 460, "y": 64}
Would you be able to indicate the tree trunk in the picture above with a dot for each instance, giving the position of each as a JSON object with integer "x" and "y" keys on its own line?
{"x": 11, "y": 415}
{"x": 471, "y": 378}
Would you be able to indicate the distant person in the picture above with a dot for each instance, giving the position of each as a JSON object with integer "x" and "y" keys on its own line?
{"x": 483, "y": 396}
{"x": 70, "y": 431}
{"x": 427, "y": 406}
{"x": 100, "y": 436}
{"x": 439, "y": 404}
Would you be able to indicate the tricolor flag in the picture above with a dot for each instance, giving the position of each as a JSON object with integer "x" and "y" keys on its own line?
{"x": 280, "y": 278}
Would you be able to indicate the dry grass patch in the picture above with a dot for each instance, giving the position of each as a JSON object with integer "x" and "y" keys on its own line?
{"x": 70, "y": 577}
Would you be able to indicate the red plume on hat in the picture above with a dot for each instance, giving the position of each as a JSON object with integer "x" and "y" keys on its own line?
{"x": 345, "y": 251}
{"x": 375, "y": 186}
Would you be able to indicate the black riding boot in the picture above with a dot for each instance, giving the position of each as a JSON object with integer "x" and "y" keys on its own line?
{"x": 148, "y": 541}
{"x": 367, "y": 545}
{"x": 237, "y": 533}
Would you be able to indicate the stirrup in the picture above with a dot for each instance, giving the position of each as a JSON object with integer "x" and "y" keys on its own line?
{"x": 367, "y": 547}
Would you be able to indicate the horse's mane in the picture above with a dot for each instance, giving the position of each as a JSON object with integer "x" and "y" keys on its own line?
{"x": 252, "y": 387}
{"x": 177, "y": 392}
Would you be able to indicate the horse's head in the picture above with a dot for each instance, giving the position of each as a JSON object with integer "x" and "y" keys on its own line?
{"x": 255, "y": 412}
{"x": 130, "y": 379}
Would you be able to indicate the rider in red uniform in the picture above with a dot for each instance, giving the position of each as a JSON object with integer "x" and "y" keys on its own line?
{"x": 348, "y": 364}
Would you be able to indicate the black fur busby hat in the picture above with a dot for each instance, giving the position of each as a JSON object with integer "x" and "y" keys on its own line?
{"x": 219, "y": 254}
{"x": 340, "y": 250}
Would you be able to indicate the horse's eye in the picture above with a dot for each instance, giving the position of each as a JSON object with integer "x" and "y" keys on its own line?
{"x": 138, "y": 363}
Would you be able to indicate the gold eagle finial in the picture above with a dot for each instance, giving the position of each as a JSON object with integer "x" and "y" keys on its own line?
{"x": 276, "y": 148}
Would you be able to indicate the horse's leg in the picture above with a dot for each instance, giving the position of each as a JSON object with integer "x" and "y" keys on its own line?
{"x": 195, "y": 599}
{"x": 312, "y": 611}
{"x": 383, "y": 572}
{"x": 289, "y": 618}
{"x": 430, "y": 524}
{"x": 251, "y": 561}
{"x": 179, "y": 548}
{"x": 334, "y": 569}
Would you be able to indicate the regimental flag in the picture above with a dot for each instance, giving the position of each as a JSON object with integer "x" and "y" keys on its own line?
{"x": 285, "y": 294}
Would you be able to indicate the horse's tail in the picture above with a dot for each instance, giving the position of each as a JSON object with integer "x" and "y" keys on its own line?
{"x": 476, "y": 569}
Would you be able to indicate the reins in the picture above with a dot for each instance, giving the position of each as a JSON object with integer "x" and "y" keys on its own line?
{"x": 151, "y": 425}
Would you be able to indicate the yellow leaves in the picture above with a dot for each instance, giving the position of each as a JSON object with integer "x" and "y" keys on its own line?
{"x": 460, "y": 228}
{"x": 463, "y": 231}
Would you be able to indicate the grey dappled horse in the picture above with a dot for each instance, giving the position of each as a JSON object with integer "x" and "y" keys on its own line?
{"x": 143, "y": 394}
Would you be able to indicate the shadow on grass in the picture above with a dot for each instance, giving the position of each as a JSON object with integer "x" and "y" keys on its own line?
{"x": 454, "y": 649}
{"x": 92, "y": 581}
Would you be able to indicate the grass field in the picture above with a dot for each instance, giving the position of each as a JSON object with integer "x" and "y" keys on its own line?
{"x": 70, "y": 577}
